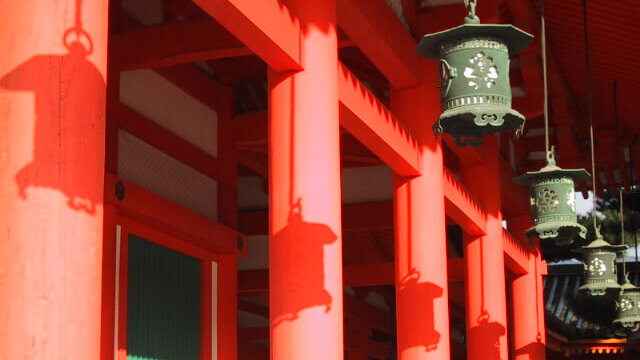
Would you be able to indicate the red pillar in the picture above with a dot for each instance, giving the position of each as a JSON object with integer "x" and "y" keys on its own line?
{"x": 227, "y": 329}
{"x": 421, "y": 245}
{"x": 52, "y": 140}
{"x": 305, "y": 258}
{"x": 484, "y": 256}
{"x": 528, "y": 336}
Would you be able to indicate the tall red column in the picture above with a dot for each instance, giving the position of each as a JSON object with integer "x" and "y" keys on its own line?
{"x": 52, "y": 140}
{"x": 528, "y": 335}
{"x": 305, "y": 258}
{"x": 227, "y": 214}
{"x": 421, "y": 244}
{"x": 486, "y": 310}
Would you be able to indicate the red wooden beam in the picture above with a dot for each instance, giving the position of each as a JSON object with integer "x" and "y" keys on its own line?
{"x": 151, "y": 209}
{"x": 468, "y": 155}
{"x": 166, "y": 141}
{"x": 515, "y": 198}
{"x": 383, "y": 39}
{"x": 378, "y": 350}
{"x": 267, "y": 27}
{"x": 455, "y": 269}
{"x": 253, "y": 334}
{"x": 378, "y": 319}
{"x": 252, "y": 351}
{"x": 525, "y": 16}
{"x": 252, "y": 308}
{"x": 179, "y": 43}
{"x": 364, "y": 274}
{"x": 364, "y": 216}
{"x": 461, "y": 208}
{"x": 175, "y": 43}
{"x": 200, "y": 86}
{"x": 368, "y": 120}
{"x": 368, "y": 274}
{"x": 251, "y": 128}
{"x": 516, "y": 255}
{"x": 255, "y": 162}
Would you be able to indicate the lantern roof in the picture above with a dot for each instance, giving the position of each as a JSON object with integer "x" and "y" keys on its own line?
{"x": 628, "y": 286}
{"x": 549, "y": 170}
{"x": 515, "y": 39}
{"x": 600, "y": 244}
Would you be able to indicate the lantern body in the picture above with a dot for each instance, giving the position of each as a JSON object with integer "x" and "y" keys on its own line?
{"x": 627, "y": 310}
{"x": 474, "y": 79}
{"x": 600, "y": 277}
{"x": 553, "y": 206}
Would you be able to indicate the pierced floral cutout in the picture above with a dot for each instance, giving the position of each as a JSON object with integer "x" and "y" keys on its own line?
{"x": 625, "y": 304}
{"x": 446, "y": 74}
{"x": 481, "y": 71}
{"x": 597, "y": 267}
{"x": 547, "y": 201}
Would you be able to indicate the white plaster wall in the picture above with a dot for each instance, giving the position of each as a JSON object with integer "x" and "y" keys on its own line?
{"x": 359, "y": 185}
{"x": 165, "y": 104}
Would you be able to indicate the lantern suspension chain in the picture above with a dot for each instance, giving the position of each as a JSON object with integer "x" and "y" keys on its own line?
{"x": 590, "y": 109}
{"x": 543, "y": 43}
{"x": 624, "y": 264}
{"x": 634, "y": 205}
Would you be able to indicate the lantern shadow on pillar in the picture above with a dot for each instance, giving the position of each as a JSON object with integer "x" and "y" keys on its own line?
{"x": 486, "y": 336}
{"x": 59, "y": 121}
{"x": 308, "y": 274}
{"x": 535, "y": 350}
{"x": 411, "y": 288}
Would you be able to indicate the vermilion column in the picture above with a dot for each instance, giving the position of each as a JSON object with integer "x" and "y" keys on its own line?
{"x": 52, "y": 130}
{"x": 528, "y": 336}
{"x": 421, "y": 247}
{"x": 305, "y": 259}
{"x": 484, "y": 256}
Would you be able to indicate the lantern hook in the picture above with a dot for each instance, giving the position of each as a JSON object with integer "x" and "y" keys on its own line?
{"x": 437, "y": 128}
{"x": 472, "y": 18}
{"x": 551, "y": 156}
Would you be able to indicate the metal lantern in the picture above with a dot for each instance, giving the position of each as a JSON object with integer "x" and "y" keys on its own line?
{"x": 474, "y": 78}
{"x": 553, "y": 202}
{"x": 627, "y": 319}
{"x": 600, "y": 276}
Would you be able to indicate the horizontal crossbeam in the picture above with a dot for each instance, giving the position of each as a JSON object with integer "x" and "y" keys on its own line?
{"x": 369, "y": 121}
{"x": 266, "y": 27}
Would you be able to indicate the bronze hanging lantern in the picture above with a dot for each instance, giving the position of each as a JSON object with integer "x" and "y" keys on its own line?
{"x": 627, "y": 319}
{"x": 600, "y": 276}
{"x": 474, "y": 77}
{"x": 553, "y": 205}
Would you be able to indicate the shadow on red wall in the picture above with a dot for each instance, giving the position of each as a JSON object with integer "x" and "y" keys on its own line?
{"x": 311, "y": 276}
{"x": 485, "y": 338}
{"x": 65, "y": 122}
{"x": 411, "y": 288}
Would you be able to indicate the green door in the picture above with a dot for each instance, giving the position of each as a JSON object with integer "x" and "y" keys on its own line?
{"x": 163, "y": 303}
